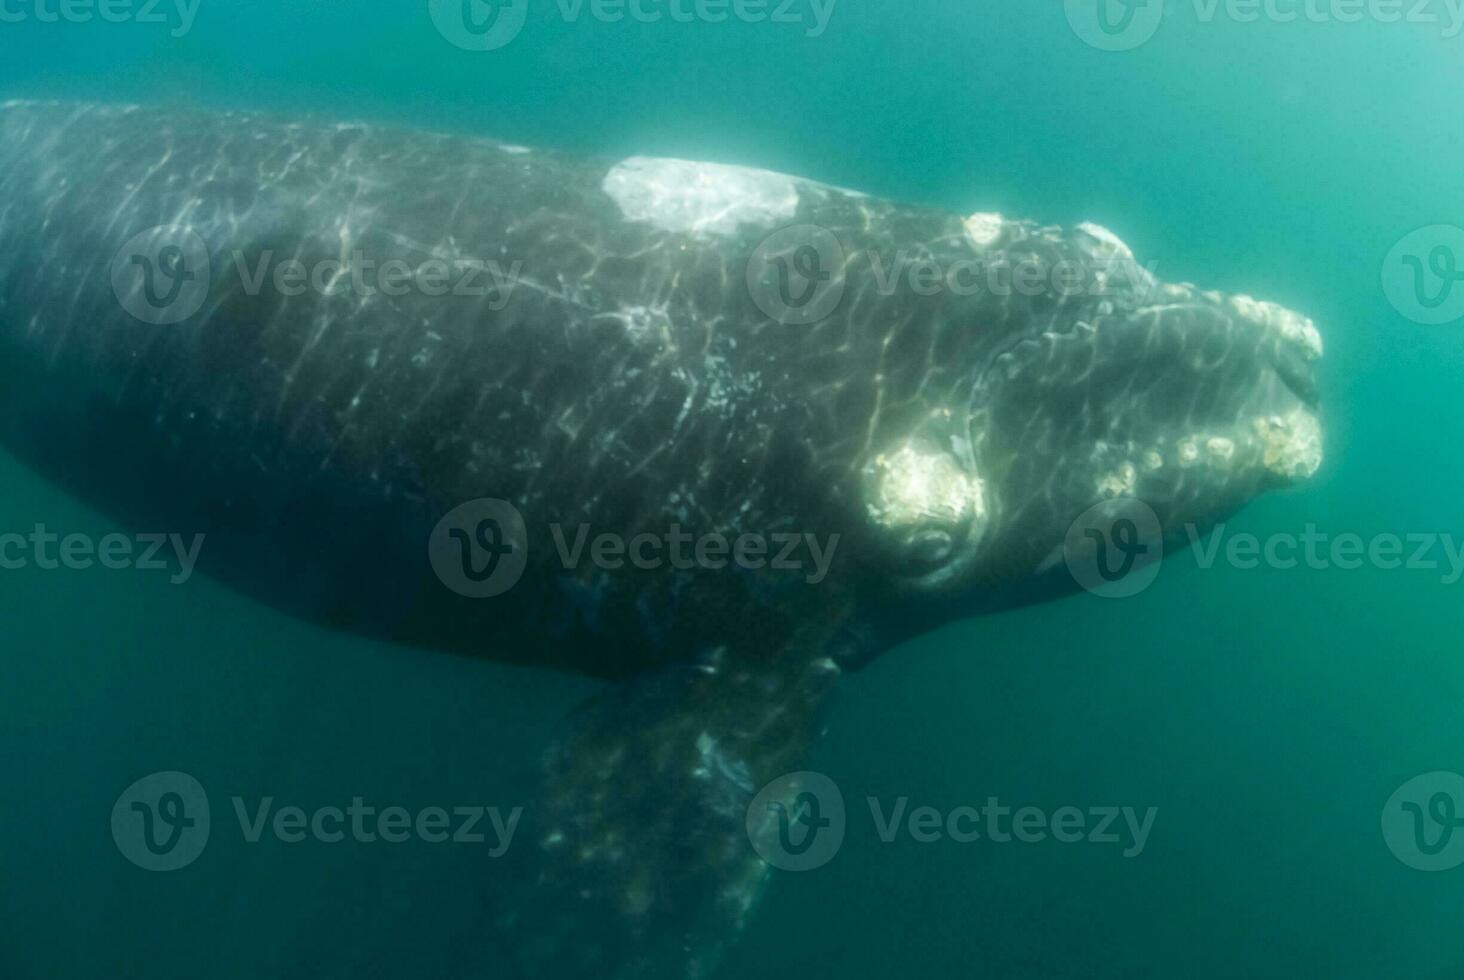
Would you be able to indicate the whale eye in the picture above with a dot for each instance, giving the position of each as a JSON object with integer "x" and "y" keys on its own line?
{"x": 929, "y": 547}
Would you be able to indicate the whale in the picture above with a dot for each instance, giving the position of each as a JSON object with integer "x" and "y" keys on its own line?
{"x": 716, "y": 435}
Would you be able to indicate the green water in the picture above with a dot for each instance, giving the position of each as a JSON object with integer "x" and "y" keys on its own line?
{"x": 1269, "y": 714}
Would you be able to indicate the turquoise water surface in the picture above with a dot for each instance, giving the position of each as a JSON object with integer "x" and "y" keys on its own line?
{"x": 1268, "y": 714}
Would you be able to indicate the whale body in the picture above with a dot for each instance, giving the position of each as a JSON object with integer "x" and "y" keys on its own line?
{"x": 713, "y": 433}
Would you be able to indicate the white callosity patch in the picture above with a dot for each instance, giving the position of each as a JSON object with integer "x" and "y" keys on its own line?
{"x": 1292, "y": 326}
{"x": 1122, "y": 482}
{"x": 1205, "y": 448}
{"x": 1292, "y": 445}
{"x": 702, "y": 199}
{"x": 1289, "y": 446}
{"x": 915, "y": 486}
{"x": 984, "y": 228}
{"x": 1120, "y": 467}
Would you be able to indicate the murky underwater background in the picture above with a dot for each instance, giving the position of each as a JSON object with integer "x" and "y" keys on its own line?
{"x": 1269, "y": 714}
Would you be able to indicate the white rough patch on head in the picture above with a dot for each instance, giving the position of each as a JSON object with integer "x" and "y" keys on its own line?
{"x": 1204, "y": 448}
{"x": 1292, "y": 445}
{"x": 701, "y": 199}
{"x": 913, "y": 486}
{"x": 1107, "y": 240}
{"x": 984, "y": 228}
{"x": 1220, "y": 449}
{"x": 1122, "y": 482}
{"x": 1292, "y": 326}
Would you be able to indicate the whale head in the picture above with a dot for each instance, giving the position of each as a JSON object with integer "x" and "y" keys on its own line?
{"x": 1112, "y": 399}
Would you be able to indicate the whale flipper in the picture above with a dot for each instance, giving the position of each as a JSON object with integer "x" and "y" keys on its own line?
{"x": 638, "y": 860}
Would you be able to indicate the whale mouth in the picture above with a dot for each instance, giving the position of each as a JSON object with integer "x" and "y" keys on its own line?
{"x": 1204, "y": 359}
{"x": 1191, "y": 402}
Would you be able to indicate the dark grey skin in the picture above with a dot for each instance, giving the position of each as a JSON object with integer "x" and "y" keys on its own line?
{"x": 644, "y": 366}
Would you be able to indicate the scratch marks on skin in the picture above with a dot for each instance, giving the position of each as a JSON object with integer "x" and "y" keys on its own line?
{"x": 644, "y": 324}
